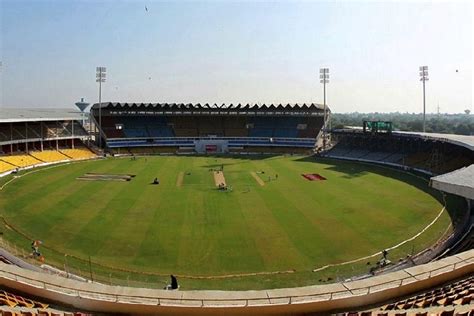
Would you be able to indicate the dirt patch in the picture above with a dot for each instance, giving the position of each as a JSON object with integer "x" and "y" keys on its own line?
{"x": 219, "y": 179}
{"x": 257, "y": 178}
{"x": 313, "y": 177}
{"x": 179, "y": 180}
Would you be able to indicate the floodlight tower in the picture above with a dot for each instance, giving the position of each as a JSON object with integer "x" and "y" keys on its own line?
{"x": 423, "y": 78}
{"x": 100, "y": 77}
{"x": 324, "y": 78}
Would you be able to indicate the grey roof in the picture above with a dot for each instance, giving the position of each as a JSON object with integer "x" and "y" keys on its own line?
{"x": 12, "y": 115}
{"x": 199, "y": 106}
{"x": 462, "y": 140}
{"x": 459, "y": 182}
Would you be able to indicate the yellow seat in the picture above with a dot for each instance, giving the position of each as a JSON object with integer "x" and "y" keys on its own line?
{"x": 78, "y": 153}
{"x": 4, "y": 167}
{"x": 49, "y": 155}
{"x": 20, "y": 160}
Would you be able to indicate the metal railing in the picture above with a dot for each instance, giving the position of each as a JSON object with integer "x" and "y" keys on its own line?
{"x": 265, "y": 299}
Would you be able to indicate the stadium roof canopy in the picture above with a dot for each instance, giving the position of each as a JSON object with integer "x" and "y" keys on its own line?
{"x": 459, "y": 182}
{"x": 14, "y": 115}
{"x": 211, "y": 107}
{"x": 461, "y": 140}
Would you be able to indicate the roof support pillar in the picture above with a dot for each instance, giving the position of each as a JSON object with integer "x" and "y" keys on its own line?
{"x": 26, "y": 137}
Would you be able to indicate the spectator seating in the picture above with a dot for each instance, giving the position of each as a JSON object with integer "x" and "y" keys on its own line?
{"x": 394, "y": 158}
{"x": 4, "y": 166}
{"x": 433, "y": 156}
{"x": 49, "y": 155}
{"x": 418, "y": 159}
{"x": 275, "y": 126}
{"x": 140, "y": 126}
{"x": 204, "y": 126}
{"x": 16, "y": 305}
{"x": 13, "y": 300}
{"x": 78, "y": 153}
{"x": 186, "y": 132}
{"x": 236, "y": 132}
{"x": 457, "y": 293}
{"x": 261, "y": 132}
{"x": 21, "y": 160}
{"x": 435, "y": 312}
{"x": 455, "y": 298}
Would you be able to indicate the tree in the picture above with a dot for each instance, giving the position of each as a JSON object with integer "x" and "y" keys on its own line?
{"x": 462, "y": 129}
{"x": 415, "y": 126}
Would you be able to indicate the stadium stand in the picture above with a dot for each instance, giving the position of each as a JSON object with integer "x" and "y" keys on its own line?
{"x": 78, "y": 153}
{"x": 440, "y": 287}
{"x": 21, "y": 160}
{"x": 452, "y": 299}
{"x": 435, "y": 155}
{"x": 4, "y": 166}
{"x": 49, "y": 155}
{"x": 16, "y": 305}
{"x": 236, "y": 128}
{"x": 13, "y": 300}
{"x": 33, "y": 158}
{"x": 30, "y": 137}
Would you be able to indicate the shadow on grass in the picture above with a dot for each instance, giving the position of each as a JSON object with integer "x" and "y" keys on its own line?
{"x": 220, "y": 159}
{"x": 455, "y": 206}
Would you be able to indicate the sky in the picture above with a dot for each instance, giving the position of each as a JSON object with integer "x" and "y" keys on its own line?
{"x": 238, "y": 52}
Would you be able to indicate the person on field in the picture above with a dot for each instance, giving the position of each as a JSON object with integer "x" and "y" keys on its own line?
{"x": 173, "y": 284}
{"x": 35, "y": 247}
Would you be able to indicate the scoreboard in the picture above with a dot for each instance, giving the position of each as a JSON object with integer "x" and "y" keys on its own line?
{"x": 376, "y": 127}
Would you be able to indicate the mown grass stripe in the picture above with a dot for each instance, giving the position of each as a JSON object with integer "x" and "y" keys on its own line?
{"x": 290, "y": 223}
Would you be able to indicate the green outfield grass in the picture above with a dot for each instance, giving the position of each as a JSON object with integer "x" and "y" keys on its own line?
{"x": 192, "y": 229}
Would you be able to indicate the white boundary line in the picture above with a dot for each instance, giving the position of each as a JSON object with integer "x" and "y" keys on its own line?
{"x": 391, "y": 248}
{"x": 45, "y": 168}
{"x": 314, "y": 270}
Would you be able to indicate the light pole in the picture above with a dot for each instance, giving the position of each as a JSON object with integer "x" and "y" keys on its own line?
{"x": 100, "y": 77}
{"x": 423, "y": 78}
{"x": 324, "y": 78}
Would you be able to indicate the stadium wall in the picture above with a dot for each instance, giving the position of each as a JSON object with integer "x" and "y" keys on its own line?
{"x": 320, "y": 298}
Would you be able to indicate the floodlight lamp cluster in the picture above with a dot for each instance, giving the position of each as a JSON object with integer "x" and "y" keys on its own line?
{"x": 324, "y": 75}
{"x": 424, "y": 73}
{"x": 100, "y": 74}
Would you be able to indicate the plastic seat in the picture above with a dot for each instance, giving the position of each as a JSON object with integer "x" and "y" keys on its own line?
{"x": 463, "y": 300}
{"x": 446, "y": 301}
{"x": 425, "y": 303}
{"x": 447, "y": 312}
{"x": 388, "y": 307}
